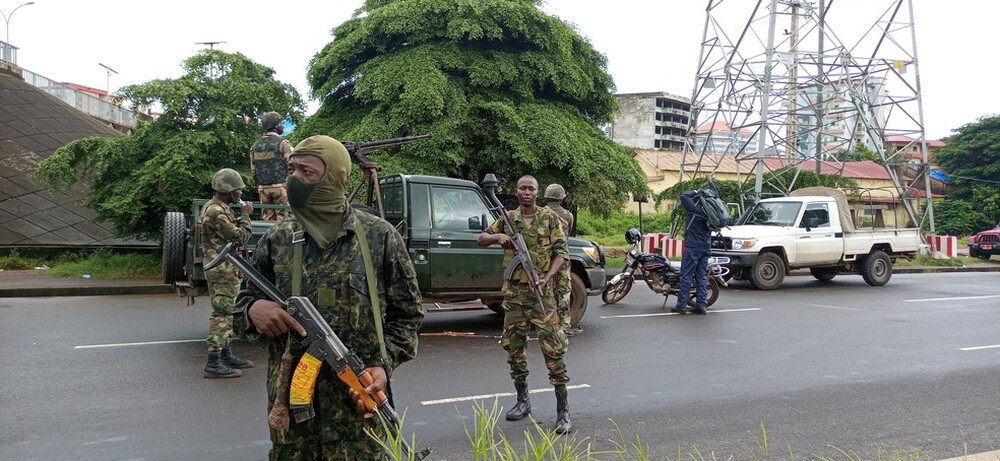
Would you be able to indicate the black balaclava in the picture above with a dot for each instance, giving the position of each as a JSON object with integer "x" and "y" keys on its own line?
{"x": 320, "y": 207}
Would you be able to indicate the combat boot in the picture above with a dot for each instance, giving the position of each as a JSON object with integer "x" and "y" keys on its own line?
{"x": 523, "y": 406}
{"x": 233, "y": 361}
{"x": 216, "y": 368}
{"x": 563, "y": 424}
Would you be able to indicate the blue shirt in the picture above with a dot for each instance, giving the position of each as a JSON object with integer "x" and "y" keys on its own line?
{"x": 696, "y": 232}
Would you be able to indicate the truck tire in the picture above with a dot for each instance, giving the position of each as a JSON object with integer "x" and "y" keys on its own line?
{"x": 713, "y": 293}
{"x": 823, "y": 274}
{"x": 767, "y": 272}
{"x": 174, "y": 235}
{"x": 876, "y": 268}
{"x": 614, "y": 292}
{"x": 577, "y": 298}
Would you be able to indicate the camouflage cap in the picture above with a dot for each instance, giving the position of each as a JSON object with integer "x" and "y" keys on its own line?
{"x": 271, "y": 120}
{"x": 227, "y": 180}
{"x": 555, "y": 191}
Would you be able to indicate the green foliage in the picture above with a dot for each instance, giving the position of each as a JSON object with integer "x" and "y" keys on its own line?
{"x": 106, "y": 264}
{"x": 860, "y": 152}
{"x": 16, "y": 262}
{"x": 776, "y": 182}
{"x": 210, "y": 119}
{"x": 503, "y": 87}
{"x": 972, "y": 157}
{"x": 610, "y": 230}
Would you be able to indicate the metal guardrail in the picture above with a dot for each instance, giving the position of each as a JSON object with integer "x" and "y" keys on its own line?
{"x": 84, "y": 102}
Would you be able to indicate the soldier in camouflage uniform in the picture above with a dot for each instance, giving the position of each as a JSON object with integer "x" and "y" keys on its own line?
{"x": 220, "y": 226}
{"x": 554, "y": 196}
{"x": 269, "y": 164}
{"x": 333, "y": 278}
{"x": 544, "y": 236}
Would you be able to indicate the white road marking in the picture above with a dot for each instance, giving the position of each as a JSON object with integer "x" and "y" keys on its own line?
{"x": 493, "y": 396}
{"x": 957, "y": 298}
{"x": 832, "y": 307}
{"x": 660, "y": 314}
{"x": 146, "y": 343}
{"x": 979, "y": 348}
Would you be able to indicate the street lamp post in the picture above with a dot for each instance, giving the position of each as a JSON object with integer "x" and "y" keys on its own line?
{"x": 6, "y": 18}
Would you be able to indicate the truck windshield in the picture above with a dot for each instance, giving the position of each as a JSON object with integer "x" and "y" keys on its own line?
{"x": 773, "y": 214}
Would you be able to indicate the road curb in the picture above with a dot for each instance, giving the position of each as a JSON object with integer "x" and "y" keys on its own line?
{"x": 31, "y": 292}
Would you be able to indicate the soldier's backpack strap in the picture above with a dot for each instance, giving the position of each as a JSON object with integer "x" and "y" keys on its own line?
{"x": 298, "y": 240}
{"x": 366, "y": 254}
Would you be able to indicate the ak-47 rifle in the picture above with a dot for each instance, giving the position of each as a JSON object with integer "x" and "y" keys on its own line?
{"x": 521, "y": 255}
{"x": 324, "y": 346}
{"x": 369, "y": 168}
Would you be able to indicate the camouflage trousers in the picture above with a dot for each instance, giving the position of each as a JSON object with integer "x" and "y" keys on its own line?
{"x": 336, "y": 433}
{"x": 222, "y": 289}
{"x": 520, "y": 313}
{"x": 272, "y": 194}
{"x": 562, "y": 293}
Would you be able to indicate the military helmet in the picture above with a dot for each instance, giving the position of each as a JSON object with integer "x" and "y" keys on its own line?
{"x": 271, "y": 120}
{"x": 227, "y": 180}
{"x": 555, "y": 191}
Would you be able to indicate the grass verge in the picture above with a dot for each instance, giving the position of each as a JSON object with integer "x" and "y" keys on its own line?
{"x": 101, "y": 263}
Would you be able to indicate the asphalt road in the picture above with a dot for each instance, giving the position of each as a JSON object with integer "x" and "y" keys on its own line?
{"x": 823, "y": 369}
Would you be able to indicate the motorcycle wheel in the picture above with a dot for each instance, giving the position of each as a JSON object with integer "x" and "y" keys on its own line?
{"x": 713, "y": 293}
{"x": 614, "y": 292}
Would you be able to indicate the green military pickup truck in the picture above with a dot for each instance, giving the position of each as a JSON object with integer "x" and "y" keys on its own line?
{"x": 440, "y": 219}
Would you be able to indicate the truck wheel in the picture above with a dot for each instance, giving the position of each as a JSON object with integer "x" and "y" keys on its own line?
{"x": 614, "y": 292}
{"x": 973, "y": 253}
{"x": 767, "y": 272}
{"x": 876, "y": 268}
{"x": 174, "y": 234}
{"x": 713, "y": 293}
{"x": 981, "y": 255}
{"x": 823, "y": 274}
{"x": 577, "y": 299}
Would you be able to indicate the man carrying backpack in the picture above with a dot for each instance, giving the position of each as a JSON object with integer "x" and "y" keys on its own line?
{"x": 697, "y": 249}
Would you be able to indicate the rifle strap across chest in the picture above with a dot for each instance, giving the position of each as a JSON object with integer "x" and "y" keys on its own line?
{"x": 298, "y": 240}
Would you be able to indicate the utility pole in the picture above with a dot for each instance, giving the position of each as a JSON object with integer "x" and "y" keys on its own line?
{"x": 791, "y": 133}
{"x": 211, "y": 46}
{"x": 110, "y": 71}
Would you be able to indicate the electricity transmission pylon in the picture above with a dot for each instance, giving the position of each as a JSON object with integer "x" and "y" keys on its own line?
{"x": 800, "y": 84}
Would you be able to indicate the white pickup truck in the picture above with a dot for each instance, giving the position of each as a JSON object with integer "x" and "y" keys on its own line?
{"x": 812, "y": 231}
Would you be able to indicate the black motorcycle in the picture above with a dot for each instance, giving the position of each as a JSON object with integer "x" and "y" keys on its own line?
{"x": 661, "y": 275}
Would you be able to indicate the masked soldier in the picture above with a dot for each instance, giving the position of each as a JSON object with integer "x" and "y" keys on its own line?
{"x": 269, "y": 164}
{"x": 554, "y": 196}
{"x": 221, "y": 226}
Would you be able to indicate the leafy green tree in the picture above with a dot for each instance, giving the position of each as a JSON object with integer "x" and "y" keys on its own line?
{"x": 503, "y": 88}
{"x": 972, "y": 158}
{"x": 211, "y": 116}
{"x": 860, "y": 152}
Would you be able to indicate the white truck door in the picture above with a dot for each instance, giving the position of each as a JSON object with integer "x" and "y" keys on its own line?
{"x": 816, "y": 240}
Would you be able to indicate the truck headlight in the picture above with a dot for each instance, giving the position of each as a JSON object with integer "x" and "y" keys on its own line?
{"x": 592, "y": 252}
{"x": 744, "y": 244}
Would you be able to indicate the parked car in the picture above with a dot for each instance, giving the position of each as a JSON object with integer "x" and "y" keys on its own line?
{"x": 985, "y": 244}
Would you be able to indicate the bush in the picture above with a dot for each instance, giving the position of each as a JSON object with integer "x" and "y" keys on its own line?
{"x": 610, "y": 230}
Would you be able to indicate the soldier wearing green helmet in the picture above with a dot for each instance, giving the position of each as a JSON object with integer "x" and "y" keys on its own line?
{"x": 554, "y": 196}
{"x": 220, "y": 226}
{"x": 269, "y": 164}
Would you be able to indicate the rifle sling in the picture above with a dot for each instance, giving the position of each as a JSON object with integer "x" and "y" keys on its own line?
{"x": 298, "y": 241}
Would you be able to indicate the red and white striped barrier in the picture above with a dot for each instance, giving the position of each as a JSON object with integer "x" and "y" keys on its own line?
{"x": 662, "y": 243}
{"x": 947, "y": 244}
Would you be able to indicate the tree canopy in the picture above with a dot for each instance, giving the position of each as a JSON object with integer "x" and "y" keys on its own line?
{"x": 972, "y": 159}
{"x": 503, "y": 88}
{"x": 211, "y": 116}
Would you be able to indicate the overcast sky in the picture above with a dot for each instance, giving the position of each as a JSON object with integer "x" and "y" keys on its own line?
{"x": 651, "y": 45}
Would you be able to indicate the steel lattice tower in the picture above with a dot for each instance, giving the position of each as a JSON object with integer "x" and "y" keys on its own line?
{"x": 791, "y": 86}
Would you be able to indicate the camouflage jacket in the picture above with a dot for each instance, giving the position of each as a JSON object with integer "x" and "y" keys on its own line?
{"x": 545, "y": 239}
{"x": 334, "y": 280}
{"x": 219, "y": 226}
{"x": 564, "y": 215}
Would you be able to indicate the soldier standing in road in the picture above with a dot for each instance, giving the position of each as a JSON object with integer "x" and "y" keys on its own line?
{"x": 546, "y": 241}
{"x": 554, "y": 196}
{"x": 220, "y": 226}
{"x": 330, "y": 238}
{"x": 269, "y": 164}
